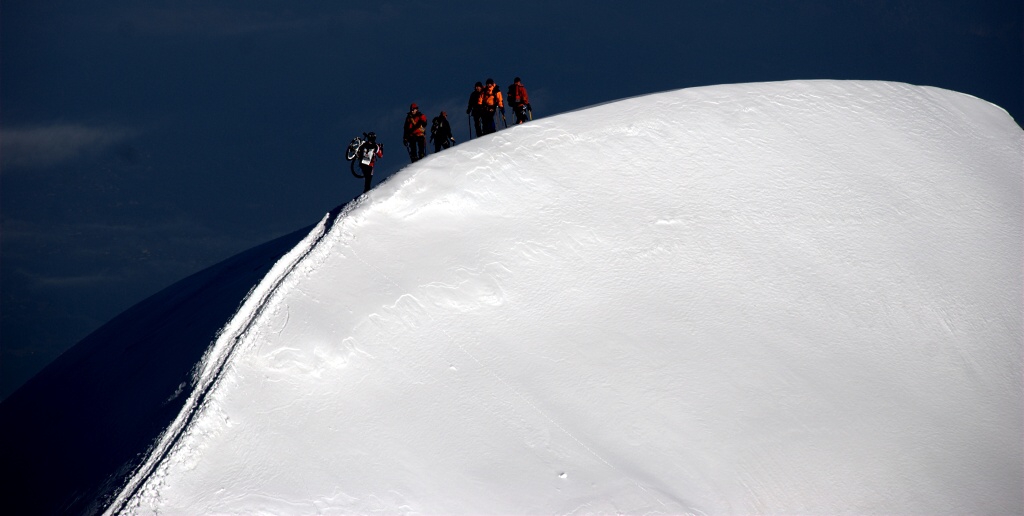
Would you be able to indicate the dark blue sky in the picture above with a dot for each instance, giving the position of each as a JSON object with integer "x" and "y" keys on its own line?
{"x": 143, "y": 141}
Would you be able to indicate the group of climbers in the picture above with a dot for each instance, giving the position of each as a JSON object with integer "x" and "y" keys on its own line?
{"x": 484, "y": 102}
{"x": 414, "y": 133}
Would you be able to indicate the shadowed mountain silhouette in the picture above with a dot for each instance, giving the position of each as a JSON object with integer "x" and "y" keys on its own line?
{"x": 69, "y": 436}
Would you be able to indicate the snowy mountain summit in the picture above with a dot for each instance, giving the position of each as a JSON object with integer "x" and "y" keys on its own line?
{"x": 798, "y": 297}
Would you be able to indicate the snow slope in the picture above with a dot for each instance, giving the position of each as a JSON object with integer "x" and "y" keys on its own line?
{"x": 799, "y": 297}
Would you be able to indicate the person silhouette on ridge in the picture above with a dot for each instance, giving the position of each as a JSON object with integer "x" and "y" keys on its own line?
{"x": 473, "y": 109}
{"x": 367, "y": 155}
{"x": 490, "y": 101}
{"x": 414, "y": 133}
{"x": 441, "y": 132}
{"x": 519, "y": 100}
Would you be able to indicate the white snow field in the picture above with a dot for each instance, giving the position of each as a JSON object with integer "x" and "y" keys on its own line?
{"x": 796, "y": 297}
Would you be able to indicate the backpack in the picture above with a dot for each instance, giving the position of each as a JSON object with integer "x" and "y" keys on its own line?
{"x": 490, "y": 100}
{"x": 516, "y": 94}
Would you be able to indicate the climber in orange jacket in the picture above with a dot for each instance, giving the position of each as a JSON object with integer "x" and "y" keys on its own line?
{"x": 490, "y": 100}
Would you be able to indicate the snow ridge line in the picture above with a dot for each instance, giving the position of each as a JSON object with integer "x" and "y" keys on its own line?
{"x": 219, "y": 356}
{"x": 527, "y": 401}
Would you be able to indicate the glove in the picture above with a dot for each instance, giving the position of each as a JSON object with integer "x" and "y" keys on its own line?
{"x": 528, "y": 106}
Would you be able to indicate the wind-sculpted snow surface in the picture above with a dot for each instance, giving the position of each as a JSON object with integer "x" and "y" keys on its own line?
{"x": 798, "y": 297}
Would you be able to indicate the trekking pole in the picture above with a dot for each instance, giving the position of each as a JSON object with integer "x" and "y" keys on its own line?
{"x": 469, "y": 120}
{"x": 503, "y": 121}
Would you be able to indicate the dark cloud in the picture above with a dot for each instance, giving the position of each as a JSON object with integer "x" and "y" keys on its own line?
{"x": 49, "y": 146}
